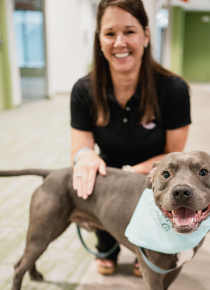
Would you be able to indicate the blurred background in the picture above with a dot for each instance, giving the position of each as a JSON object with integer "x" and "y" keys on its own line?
{"x": 45, "y": 46}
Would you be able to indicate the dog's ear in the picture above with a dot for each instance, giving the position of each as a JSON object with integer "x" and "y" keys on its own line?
{"x": 151, "y": 175}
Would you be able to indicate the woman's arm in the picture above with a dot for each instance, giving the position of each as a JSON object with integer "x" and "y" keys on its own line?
{"x": 88, "y": 163}
{"x": 175, "y": 142}
{"x": 80, "y": 139}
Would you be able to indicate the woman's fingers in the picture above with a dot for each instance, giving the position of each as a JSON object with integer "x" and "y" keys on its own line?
{"x": 102, "y": 168}
{"x": 92, "y": 176}
{"x": 74, "y": 178}
{"x": 79, "y": 186}
{"x": 84, "y": 173}
{"x": 91, "y": 180}
{"x": 84, "y": 180}
{"x": 80, "y": 179}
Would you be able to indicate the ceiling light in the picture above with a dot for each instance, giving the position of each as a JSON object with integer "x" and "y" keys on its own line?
{"x": 159, "y": 16}
{"x": 164, "y": 21}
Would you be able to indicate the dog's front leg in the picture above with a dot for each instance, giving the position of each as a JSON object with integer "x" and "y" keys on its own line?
{"x": 156, "y": 281}
{"x": 153, "y": 280}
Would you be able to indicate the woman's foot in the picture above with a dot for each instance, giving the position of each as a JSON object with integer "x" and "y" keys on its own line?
{"x": 106, "y": 267}
{"x": 137, "y": 269}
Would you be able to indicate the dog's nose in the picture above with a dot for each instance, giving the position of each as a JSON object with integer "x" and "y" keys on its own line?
{"x": 181, "y": 192}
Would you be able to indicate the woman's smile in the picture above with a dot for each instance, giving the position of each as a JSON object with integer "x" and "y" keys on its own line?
{"x": 122, "y": 55}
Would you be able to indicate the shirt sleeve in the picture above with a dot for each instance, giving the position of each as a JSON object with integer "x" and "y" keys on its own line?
{"x": 176, "y": 105}
{"x": 80, "y": 107}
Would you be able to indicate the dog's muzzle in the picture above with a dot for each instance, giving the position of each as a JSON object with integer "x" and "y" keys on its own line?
{"x": 184, "y": 219}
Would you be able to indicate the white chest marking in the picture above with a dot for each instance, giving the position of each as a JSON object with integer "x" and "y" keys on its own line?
{"x": 184, "y": 257}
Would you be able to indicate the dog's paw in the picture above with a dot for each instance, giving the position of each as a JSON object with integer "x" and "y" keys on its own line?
{"x": 36, "y": 276}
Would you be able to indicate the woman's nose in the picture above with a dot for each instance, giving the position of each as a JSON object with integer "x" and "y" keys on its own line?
{"x": 120, "y": 41}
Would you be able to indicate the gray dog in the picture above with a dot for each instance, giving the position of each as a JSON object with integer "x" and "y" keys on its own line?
{"x": 181, "y": 186}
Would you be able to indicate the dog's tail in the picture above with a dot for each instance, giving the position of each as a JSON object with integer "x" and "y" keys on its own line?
{"x": 39, "y": 172}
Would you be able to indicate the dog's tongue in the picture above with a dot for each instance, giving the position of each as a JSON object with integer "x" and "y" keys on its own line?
{"x": 184, "y": 216}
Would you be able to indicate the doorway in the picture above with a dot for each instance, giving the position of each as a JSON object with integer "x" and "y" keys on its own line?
{"x": 31, "y": 49}
{"x": 196, "y": 66}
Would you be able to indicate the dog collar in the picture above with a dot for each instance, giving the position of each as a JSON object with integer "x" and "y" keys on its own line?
{"x": 150, "y": 229}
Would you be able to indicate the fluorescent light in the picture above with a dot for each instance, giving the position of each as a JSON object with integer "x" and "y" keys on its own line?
{"x": 205, "y": 18}
{"x": 159, "y": 16}
{"x": 164, "y": 21}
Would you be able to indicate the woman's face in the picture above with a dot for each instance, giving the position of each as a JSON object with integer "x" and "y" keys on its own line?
{"x": 122, "y": 40}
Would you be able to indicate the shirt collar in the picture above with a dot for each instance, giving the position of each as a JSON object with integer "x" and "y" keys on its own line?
{"x": 111, "y": 95}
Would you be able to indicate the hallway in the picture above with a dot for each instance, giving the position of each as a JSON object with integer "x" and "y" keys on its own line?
{"x": 37, "y": 135}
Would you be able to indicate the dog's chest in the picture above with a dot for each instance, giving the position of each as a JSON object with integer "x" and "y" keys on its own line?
{"x": 184, "y": 257}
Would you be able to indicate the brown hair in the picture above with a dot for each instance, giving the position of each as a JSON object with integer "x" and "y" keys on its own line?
{"x": 100, "y": 74}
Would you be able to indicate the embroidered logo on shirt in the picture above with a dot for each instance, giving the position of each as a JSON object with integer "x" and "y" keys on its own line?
{"x": 149, "y": 126}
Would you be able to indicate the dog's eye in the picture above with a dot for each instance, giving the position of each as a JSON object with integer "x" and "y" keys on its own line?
{"x": 166, "y": 174}
{"x": 203, "y": 172}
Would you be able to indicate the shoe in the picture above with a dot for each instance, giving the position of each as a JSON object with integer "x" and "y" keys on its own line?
{"x": 106, "y": 267}
{"x": 137, "y": 269}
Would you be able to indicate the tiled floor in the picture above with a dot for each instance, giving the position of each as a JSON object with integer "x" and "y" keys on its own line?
{"x": 37, "y": 135}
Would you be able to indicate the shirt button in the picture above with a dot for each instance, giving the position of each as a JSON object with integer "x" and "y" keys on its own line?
{"x": 128, "y": 109}
{"x": 125, "y": 120}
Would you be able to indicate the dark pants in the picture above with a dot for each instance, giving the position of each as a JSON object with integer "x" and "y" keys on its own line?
{"x": 105, "y": 243}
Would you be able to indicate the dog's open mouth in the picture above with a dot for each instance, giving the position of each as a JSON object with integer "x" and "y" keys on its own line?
{"x": 185, "y": 220}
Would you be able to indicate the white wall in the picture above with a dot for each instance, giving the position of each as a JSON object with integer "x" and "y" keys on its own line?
{"x": 14, "y": 70}
{"x": 70, "y": 26}
{"x": 150, "y": 7}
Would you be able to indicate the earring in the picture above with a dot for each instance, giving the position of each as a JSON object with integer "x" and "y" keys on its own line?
{"x": 101, "y": 53}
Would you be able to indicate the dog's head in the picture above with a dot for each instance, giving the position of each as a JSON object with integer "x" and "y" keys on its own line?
{"x": 181, "y": 186}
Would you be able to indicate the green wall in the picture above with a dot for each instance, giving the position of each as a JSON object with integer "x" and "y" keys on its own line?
{"x": 5, "y": 77}
{"x": 177, "y": 47}
{"x": 196, "y": 65}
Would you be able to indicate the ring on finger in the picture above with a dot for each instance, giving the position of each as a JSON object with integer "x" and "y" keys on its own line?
{"x": 79, "y": 175}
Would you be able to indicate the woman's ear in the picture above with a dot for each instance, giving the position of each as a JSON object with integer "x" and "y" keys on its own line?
{"x": 151, "y": 175}
{"x": 146, "y": 36}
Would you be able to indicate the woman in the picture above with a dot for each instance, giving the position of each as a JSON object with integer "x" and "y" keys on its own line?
{"x": 135, "y": 110}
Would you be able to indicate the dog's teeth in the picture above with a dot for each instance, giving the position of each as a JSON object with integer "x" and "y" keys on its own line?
{"x": 199, "y": 212}
{"x": 172, "y": 212}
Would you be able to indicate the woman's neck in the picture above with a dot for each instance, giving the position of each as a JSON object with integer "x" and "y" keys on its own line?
{"x": 124, "y": 86}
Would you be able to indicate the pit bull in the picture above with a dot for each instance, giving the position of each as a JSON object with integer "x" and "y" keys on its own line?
{"x": 181, "y": 188}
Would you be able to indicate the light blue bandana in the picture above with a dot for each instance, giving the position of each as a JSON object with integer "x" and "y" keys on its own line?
{"x": 150, "y": 229}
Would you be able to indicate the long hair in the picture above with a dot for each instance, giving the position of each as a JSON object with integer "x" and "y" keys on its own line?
{"x": 100, "y": 74}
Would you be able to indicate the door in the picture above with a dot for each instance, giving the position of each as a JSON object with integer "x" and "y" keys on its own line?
{"x": 30, "y": 39}
{"x": 196, "y": 63}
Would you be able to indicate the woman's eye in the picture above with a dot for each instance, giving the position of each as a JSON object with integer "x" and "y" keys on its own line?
{"x": 203, "y": 172}
{"x": 129, "y": 32}
{"x": 166, "y": 174}
{"x": 110, "y": 34}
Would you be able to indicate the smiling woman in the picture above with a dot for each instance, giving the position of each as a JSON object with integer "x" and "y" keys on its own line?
{"x": 132, "y": 108}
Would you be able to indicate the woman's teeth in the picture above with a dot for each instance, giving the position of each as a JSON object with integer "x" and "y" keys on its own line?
{"x": 122, "y": 55}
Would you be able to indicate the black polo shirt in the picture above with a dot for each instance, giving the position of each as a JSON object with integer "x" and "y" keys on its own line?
{"x": 125, "y": 141}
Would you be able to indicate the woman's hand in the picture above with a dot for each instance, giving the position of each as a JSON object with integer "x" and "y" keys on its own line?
{"x": 84, "y": 173}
